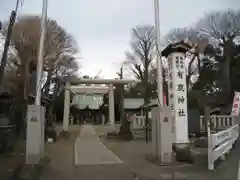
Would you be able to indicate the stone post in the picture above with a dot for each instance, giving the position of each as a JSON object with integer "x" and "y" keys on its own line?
{"x": 66, "y": 108}
{"x": 175, "y": 53}
{"x": 35, "y": 134}
{"x": 111, "y": 106}
{"x": 178, "y": 96}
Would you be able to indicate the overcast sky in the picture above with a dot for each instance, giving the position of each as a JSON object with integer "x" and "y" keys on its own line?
{"x": 102, "y": 27}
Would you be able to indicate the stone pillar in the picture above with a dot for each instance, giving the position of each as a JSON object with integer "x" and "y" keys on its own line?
{"x": 66, "y": 108}
{"x": 71, "y": 120}
{"x": 161, "y": 134}
{"x": 134, "y": 121}
{"x": 175, "y": 53}
{"x": 178, "y": 96}
{"x": 103, "y": 119}
{"x": 35, "y": 134}
{"x": 111, "y": 106}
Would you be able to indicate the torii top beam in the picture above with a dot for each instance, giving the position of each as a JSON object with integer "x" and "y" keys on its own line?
{"x": 89, "y": 90}
{"x": 100, "y": 81}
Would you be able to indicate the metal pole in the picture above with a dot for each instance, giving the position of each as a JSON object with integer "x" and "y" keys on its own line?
{"x": 159, "y": 62}
{"x": 41, "y": 53}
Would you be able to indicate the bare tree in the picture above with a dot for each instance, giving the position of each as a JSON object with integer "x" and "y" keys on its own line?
{"x": 59, "y": 50}
{"x": 223, "y": 27}
{"x": 141, "y": 56}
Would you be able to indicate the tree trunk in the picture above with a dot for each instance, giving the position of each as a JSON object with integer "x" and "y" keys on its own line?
{"x": 198, "y": 64}
{"x": 125, "y": 130}
{"x": 23, "y": 98}
{"x": 225, "y": 70}
{"x": 146, "y": 98}
{"x": 189, "y": 71}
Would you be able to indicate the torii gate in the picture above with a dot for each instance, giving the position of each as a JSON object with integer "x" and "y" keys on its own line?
{"x": 94, "y": 90}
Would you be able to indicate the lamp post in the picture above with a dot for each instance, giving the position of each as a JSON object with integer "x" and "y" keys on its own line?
{"x": 159, "y": 61}
{"x": 41, "y": 53}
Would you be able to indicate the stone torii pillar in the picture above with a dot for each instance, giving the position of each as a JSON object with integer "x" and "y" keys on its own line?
{"x": 178, "y": 90}
{"x": 111, "y": 106}
{"x": 66, "y": 107}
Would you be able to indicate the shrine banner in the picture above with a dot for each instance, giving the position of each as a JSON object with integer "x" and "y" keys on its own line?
{"x": 236, "y": 104}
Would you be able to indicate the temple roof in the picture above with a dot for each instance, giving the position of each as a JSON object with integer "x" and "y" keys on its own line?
{"x": 180, "y": 46}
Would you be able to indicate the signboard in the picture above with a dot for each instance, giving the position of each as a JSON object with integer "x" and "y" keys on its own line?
{"x": 179, "y": 88}
{"x": 178, "y": 97}
{"x": 236, "y": 104}
{"x": 170, "y": 83}
{"x": 171, "y": 94}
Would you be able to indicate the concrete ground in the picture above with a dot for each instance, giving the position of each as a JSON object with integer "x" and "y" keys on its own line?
{"x": 89, "y": 150}
{"x": 10, "y": 161}
{"x": 8, "y": 164}
{"x": 132, "y": 153}
{"x": 62, "y": 166}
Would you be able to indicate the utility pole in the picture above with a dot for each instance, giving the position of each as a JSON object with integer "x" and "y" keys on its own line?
{"x": 7, "y": 43}
{"x": 121, "y": 96}
{"x": 41, "y": 53}
{"x": 159, "y": 61}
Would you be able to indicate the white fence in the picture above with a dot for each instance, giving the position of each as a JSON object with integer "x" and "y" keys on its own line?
{"x": 219, "y": 122}
{"x": 221, "y": 143}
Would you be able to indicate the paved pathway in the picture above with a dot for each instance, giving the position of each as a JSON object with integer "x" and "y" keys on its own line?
{"x": 132, "y": 153}
{"x": 89, "y": 150}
